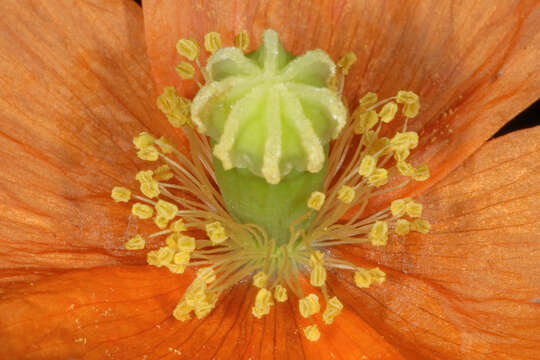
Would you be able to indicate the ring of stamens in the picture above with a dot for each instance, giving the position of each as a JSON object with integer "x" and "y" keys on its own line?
{"x": 181, "y": 197}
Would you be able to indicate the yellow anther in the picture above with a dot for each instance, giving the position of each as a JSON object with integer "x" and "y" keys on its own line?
{"x": 135, "y": 243}
{"x": 241, "y": 40}
{"x": 407, "y": 97}
{"x": 316, "y": 258}
{"x": 402, "y": 227}
{"x": 401, "y": 155}
{"x": 176, "y": 108}
{"x": 333, "y": 309}
{"x": 185, "y": 70}
{"x": 379, "y": 177}
{"x": 379, "y": 146}
{"x": 149, "y": 153}
{"x": 182, "y": 311}
{"x": 186, "y": 243}
{"x": 406, "y": 140}
{"x": 188, "y": 48}
{"x": 367, "y": 166}
{"x": 377, "y": 275}
{"x": 172, "y": 240}
{"x": 365, "y": 121}
{"x": 182, "y": 258}
{"x": 346, "y": 194}
{"x": 263, "y": 302}
{"x": 120, "y": 194}
{"x": 166, "y": 209}
{"x": 411, "y": 110}
{"x": 318, "y": 276}
{"x": 398, "y": 207}
{"x": 316, "y": 200}
{"x": 165, "y": 145}
{"x": 347, "y": 61}
{"x": 368, "y": 138}
{"x": 160, "y": 257}
{"x": 142, "y": 211}
{"x": 161, "y": 222}
{"x": 362, "y": 278}
{"x": 176, "y": 268}
{"x": 378, "y": 234}
{"x": 216, "y": 233}
{"x": 149, "y": 186}
{"x": 205, "y": 305}
{"x": 143, "y": 140}
{"x": 208, "y": 275}
{"x": 163, "y": 173}
{"x": 280, "y": 293}
{"x": 312, "y": 332}
{"x": 333, "y": 83}
{"x": 421, "y": 173}
{"x": 388, "y": 112}
{"x": 212, "y": 41}
{"x": 405, "y": 168}
{"x": 309, "y": 305}
{"x": 195, "y": 293}
{"x": 260, "y": 279}
{"x": 414, "y": 209}
{"x": 421, "y": 225}
{"x": 368, "y": 100}
{"x": 178, "y": 226}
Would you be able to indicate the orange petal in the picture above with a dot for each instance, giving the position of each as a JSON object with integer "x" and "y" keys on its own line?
{"x": 474, "y": 64}
{"x": 470, "y": 288}
{"x": 75, "y": 88}
{"x": 125, "y": 313}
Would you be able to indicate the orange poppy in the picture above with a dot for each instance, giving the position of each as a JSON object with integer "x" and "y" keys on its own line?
{"x": 77, "y": 86}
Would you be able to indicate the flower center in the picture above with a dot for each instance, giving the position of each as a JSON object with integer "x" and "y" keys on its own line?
{"x": 264, "y": 194}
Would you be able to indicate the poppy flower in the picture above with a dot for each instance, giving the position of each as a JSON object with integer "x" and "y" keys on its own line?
{"x": 78, "y": 87}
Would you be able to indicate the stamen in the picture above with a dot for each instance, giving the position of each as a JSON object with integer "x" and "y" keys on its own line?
{"x": 120, "y": 194}
{"x": 280, "y": 293}
{"x": 316, "y": 200}
{"x": 188, "y": 48}
{"x": 388, "y": 112}
{"x": 333, "y": 309}
{"x": 402, "y": 227}
{"x": 379, "y": 233}
{"x": 346, "y": 194}
{"x": 421, "y": 225}
{"x": 135, "y": 243}
{"x": 212, "y": 42}
{"x": 148, "y": 153}
{"x": 318, "y": 275}
{"x": 216, "y": 233}
{"x": 347, "y": 61}
{"x": 263, "y": 302}
{"x": 142, "y": 211}
{"x": 312, "y": 333}
{"x": 143, "y": 140}
{"x": 368, "y": 100}
{"x": 185, "y": 70}
{"x": 241, "y": 40}
{"x": 260, "y": 279}
{"x": 309, "y": 305}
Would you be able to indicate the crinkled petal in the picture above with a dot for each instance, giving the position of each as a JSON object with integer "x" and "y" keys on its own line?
{"x": 125, "y": 313}
{"x": 75, "y": 88}
{"x": 470, "y": 288}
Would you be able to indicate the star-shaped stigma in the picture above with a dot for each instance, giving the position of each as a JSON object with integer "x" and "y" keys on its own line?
{"x": 269, "y": 111}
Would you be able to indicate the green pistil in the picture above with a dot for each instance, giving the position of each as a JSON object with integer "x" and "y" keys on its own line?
{"x": 270, "y": 116}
